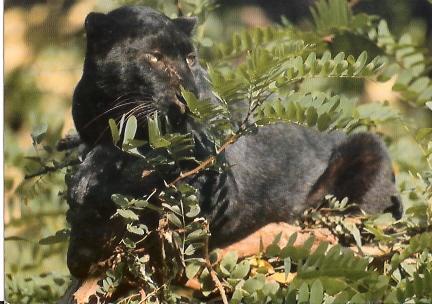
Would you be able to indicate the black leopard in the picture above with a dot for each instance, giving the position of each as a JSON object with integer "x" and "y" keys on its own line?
{"x": 136, "y": 61}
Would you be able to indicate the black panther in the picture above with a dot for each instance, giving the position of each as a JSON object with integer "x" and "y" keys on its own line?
{"x": 136, "y": 61}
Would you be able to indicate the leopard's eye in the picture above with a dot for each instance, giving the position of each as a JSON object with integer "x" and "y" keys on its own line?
{"x": 154, "y": 56}
{"x": 191, "y": 59}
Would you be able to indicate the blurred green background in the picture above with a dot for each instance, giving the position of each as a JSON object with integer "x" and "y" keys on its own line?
{"x": 44, "y": 50}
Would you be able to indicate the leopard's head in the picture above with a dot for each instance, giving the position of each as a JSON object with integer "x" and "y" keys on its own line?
{"x": 137, "y": 59}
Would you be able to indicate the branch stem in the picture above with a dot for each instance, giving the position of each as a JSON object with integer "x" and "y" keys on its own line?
{"x": 209, "y": 267}
{"x": 208, "y": 162}
{"x": 46, "y": 170}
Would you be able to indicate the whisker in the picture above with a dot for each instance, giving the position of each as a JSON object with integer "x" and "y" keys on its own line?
{"x": 142, "y": 117}
{"x": 121, "y": 96}
{"x": 147, "y": 112}
{"x": 127, "y": 115}
{"x": 137, "y": 94}
{"x": 123, "y": 100}
{"x": 126, "y": 97}
{"x": 133, "y": 111}
{"x": 139, "y": 116}
{"x": 107, "y": 111}
{"x": 144, "y": 108}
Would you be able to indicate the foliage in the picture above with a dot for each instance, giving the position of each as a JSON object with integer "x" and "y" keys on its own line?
{"x": 278, "y": 76}
{"x": 43, "y": 288}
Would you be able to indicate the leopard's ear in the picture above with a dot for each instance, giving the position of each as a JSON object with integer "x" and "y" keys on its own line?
{"x": 98, "y": 25}
{"x": 186, "y": 24}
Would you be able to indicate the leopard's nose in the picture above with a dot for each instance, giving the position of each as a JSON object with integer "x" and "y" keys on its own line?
{"x": 189, "y": 85}
{"x": 187, "y": 79}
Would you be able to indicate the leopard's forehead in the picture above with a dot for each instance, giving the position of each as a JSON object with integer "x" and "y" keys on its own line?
{"x": 138, "y": 26}
{"x": 140, "y": 20}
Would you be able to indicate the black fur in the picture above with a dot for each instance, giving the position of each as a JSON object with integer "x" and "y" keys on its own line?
{"x": 105, "y": 171}
{"x": 273, "y": 175}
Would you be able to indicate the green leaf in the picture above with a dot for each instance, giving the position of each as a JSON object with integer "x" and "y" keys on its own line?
{"x": 130, "y": 130}
{"x": 287, "y": 266}
{"x": 214, "y": 117}
{"x": 174, "y": 220}
{"x": 192, "y": 269}
{"x": 253, "y": 284}
{"x": 339, "y": 57}
{"x": 240, "y": 270}
{"x": 140, "y": 204}
{"x": 333, "y": 286}
{"x": 316, "y": 292}
{"x": 135, "y": 229}
{"x": 115, "y": 133}
{"x": 303, "y": 294}
{"x": 128, "y": 214}
{"x": 355, "y": 232}
{"x": 307, "y": 245}
{"x": 187, "y": 189}
{"x": 237, "y": 296}
{"x": 59, "y": 237}
{"x": 273, "y": 250}
{"x": 228, "y": 263}
{"x": 360, "y": 63}
{"x": 270, "y": 289}
{"x": 423, "y": 133}
{"x": 155, "y": 138}
{"x": 426, "y": 95}
{"x": 292, "y": 239}
{"x": 358, "y": 298}
{"x": 277, "y": 238}
{"x": 324, "y": 122}
{"x": 311, "y": 116}
{"x": 174, "y": 208}
{"x": 419, "y": 85}
{"x": 191, "y": 249}
{"x": 129, "y": 243}
{"x": 38, "y": 133}
{"x": 193, "y": 211}
{"x": 195, "y": 235}
{"x": 122, "y": 123}
{"x": 120, "y": 200}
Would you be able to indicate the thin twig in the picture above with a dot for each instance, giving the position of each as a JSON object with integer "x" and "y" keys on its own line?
{"x": 129, "y": 298}
{"x": 218, "y": 284}
{"x": 155, "y": 291}
{"x": 208, "y": 162}
{"x": 46, "y": 170}
{"x": 209, "y": 267}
